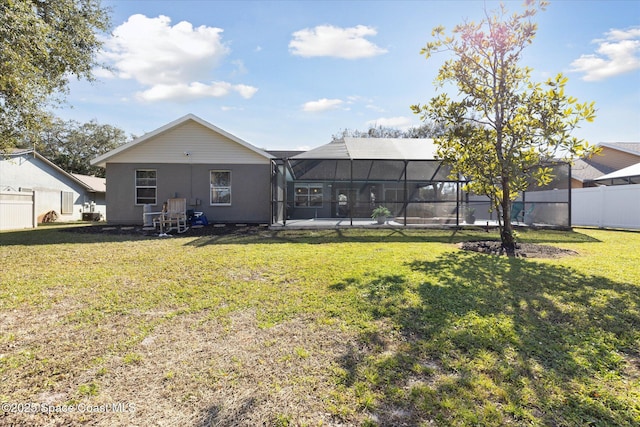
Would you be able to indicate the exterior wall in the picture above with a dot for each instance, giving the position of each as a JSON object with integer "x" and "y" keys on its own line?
{"x": 250, "y": 191}
{"x": 616, "y": 159}
{"x": 575, "y": 183}
{"x": 203, "y": 145}
{"x": 29, "y": 172}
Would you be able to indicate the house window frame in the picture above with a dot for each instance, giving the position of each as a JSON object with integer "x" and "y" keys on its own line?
{"x": 213, "y": 187}
{"x": 137, "y": 186}
{"x": 66, "y": 202}
{"x": 308, "y": 196}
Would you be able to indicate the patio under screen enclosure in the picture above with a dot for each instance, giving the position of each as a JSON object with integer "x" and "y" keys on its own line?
{"x": 347, "y": 178}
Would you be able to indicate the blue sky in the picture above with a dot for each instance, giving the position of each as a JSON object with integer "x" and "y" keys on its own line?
{"x": 290, "y": 74}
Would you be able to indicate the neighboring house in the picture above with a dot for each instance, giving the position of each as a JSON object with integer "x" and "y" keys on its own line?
{"x": 219, "y": 174}
{"x": 54, "y": 189}
{"x": 613, "y": 157}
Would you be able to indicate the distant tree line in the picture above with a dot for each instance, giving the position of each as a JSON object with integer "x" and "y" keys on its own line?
{"x": 71, "y": 145}
{"x": 426, "y": 130}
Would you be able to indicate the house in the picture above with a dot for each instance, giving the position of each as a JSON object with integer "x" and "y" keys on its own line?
{"x": 220, "y": 175}
{"x": 232, "y": 181}
{"x": 68, "y": 195}
{"x": 613, "y": 157}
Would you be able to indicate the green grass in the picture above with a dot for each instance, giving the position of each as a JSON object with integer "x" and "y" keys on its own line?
{"x": 377, "y": 327}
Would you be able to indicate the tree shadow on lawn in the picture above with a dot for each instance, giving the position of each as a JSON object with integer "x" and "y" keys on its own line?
{"x": 491, "y": 340}
{"x": 230, "y": 234}
{"x": 251, "y": 235}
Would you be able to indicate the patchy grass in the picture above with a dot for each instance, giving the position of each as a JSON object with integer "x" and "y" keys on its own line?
{"x": 352, "y": 327}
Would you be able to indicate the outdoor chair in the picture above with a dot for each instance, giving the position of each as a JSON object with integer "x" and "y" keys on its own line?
{"x": 518, "y": 213}
{"x": 175, "y": 216}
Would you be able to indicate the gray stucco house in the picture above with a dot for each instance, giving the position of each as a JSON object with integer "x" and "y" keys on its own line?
{"x": 219, "y": 174}
{"x": 232, "y": 181}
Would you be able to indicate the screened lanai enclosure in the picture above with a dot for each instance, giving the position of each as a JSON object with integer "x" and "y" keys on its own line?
{"x": 346, "y": 179}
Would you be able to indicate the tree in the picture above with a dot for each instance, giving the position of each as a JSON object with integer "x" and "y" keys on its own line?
{"x": 71, "y": 145}
{"x": 502, "y": 127}
{"x": 42, "y": 44}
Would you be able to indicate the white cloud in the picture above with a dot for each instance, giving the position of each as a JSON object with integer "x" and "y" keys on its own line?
{"x": 323, "y": 104}
{"x": 171, "y": 61}
{"x": 245, "y": 91}
{"x": 327, "y": 40}
{"x": 616, "y": 54}
{"x": 182, "y": 92}
{"x": 402, "y": 123}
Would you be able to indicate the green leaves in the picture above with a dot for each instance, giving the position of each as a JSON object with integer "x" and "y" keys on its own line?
{"x": 42, "y": 44}
{"x": 72, "y": 145}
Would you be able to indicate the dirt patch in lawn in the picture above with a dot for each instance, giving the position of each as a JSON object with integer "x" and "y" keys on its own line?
{"x": 191, "y": 369}
{"x": 523, "y": 250}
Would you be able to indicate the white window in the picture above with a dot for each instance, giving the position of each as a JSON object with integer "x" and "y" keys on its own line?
{"x": 221, "y": 188}
{"x": 308, "y": 195}
{"x": 67, "y": 202}
{"x": 146, "y": 187}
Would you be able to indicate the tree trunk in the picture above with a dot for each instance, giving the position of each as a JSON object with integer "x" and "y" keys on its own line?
{"x": 506, "y": 236}
{"x": 508, "y": 242}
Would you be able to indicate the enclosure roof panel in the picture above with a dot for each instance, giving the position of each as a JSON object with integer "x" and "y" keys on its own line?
{"x": 391, "y": 148}
{"x": 628, "y": 172}
{"x": 374, "y": 149}
{"x": 333, "y": 150}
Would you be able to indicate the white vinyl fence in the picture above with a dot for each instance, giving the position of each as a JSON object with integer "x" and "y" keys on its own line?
{"x": 616, "y": 206}
{"x": 17, "y": 210}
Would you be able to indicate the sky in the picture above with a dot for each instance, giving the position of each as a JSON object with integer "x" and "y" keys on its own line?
{"x": 288, "y": 75}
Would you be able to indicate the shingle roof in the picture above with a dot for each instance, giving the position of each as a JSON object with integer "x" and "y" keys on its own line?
{"x": 284, "y": 154}
{"x": 97, "y": 184}
{"x": 587, "y": 169}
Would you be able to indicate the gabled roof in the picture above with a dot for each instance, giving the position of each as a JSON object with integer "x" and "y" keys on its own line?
{"x": 103, "y": 159}
{"x": 86, "y": 181}
{"x": 374, "y": 149}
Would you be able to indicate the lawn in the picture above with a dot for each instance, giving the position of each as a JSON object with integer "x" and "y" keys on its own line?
{"x": 333, "y": 327}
